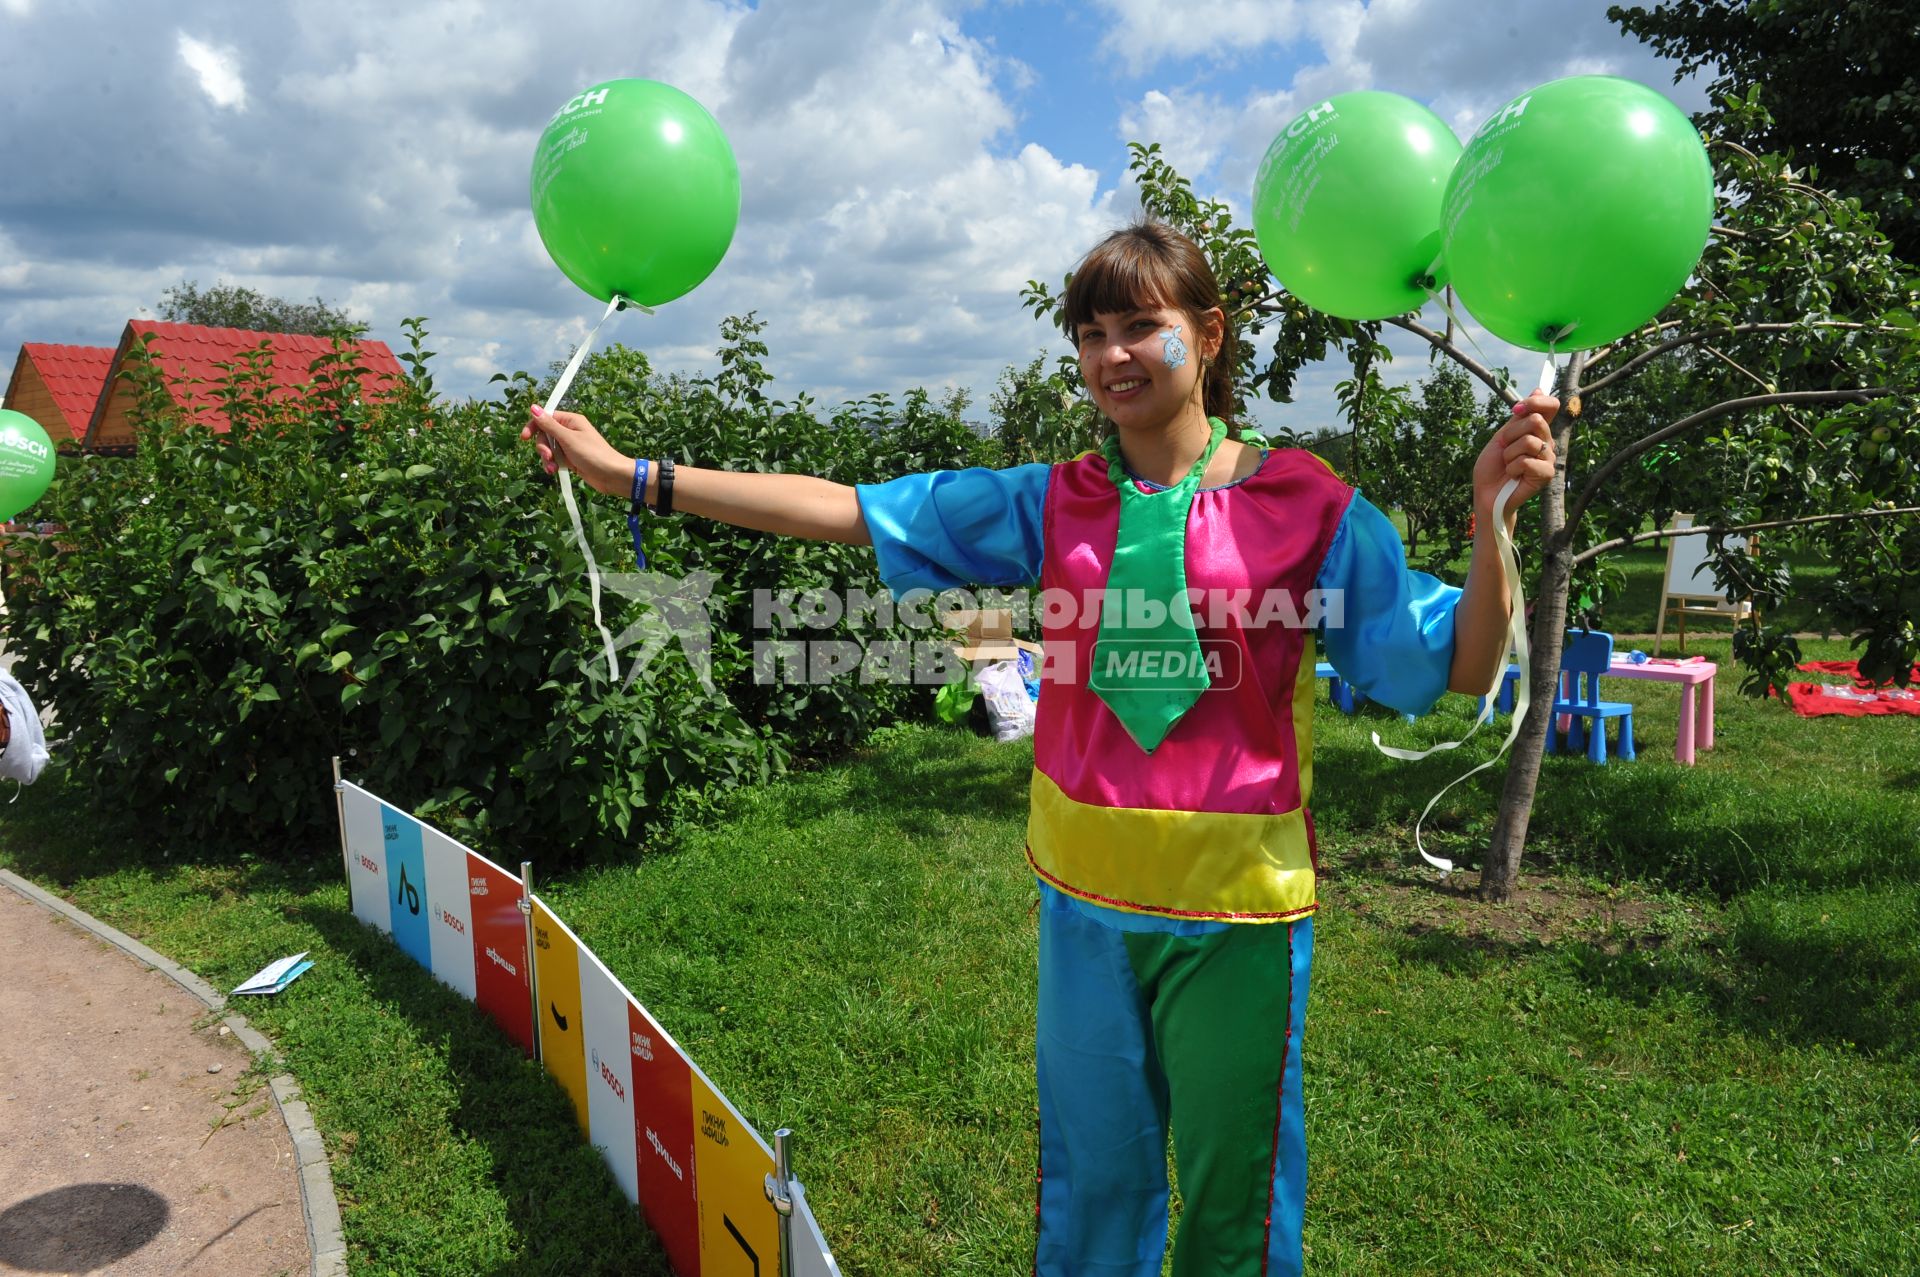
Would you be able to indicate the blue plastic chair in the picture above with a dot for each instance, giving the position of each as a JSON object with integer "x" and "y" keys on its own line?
{"x": 1587, "y": 655}
{"x": 1503, "y": 701}
{"x": 1345, "y": 696}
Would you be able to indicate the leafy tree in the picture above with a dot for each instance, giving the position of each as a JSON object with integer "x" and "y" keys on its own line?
{"x": 1416, "y": 455}
{"x": 1041, "y": 416}
{"x": 1841, "y": 83}
{"x": 235, "y": 306}
{"x": 1775, "y": 394}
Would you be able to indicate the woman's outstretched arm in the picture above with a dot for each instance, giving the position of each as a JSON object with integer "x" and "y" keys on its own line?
{"x": 789, "y": 504}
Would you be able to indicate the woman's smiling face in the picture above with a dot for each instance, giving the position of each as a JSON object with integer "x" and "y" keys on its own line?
{"x": 1141, "y": 366}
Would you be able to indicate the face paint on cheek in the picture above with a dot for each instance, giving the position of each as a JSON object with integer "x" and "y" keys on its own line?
{"x": 1173, "y": 351}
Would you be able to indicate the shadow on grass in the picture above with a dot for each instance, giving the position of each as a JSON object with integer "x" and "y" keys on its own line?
{"x": 1773, "y": 984}
{"x": 1771, "y": 973}
{"x": 1690, "y": 829}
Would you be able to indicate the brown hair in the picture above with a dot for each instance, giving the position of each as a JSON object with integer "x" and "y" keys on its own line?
{"x": 1150, "y": 264}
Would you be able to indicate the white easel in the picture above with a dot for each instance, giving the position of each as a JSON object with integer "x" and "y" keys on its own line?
{"x": 1689, "y": 588}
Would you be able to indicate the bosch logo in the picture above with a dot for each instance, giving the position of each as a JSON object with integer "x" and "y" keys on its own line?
{"x": 606, "y": 1075}
{"x": 453, "y": 922}
{"x": 21, "y": 443}
{"x": 1308, "y": 120}
{"x": 367, "y": 864}
{"x": 597, "y": 98}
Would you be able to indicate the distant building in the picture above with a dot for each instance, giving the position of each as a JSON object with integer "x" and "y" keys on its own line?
{"x": 58, "y": 386}
{"x": 77, "y": 395}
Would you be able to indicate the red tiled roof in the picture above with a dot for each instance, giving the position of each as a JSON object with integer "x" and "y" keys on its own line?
{"x": 58, "y": 386}
{"x": 189, "y": 356}
{"x": 74, "y": 376}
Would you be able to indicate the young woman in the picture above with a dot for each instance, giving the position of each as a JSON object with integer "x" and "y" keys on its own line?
{"x": 1168, "y": 827}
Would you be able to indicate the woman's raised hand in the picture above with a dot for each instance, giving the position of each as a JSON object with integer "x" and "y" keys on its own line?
{"x": 1521, "y": 449}
{"x": 569, "y": 439}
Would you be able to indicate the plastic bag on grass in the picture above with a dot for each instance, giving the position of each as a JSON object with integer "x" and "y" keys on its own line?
{"x": 26, "y": 750}
{"x": 1009, "y": 708}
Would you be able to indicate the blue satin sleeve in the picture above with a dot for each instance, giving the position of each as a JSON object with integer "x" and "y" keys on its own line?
{"x": 1395, "y": 637}
{"x": 953, "y": 528}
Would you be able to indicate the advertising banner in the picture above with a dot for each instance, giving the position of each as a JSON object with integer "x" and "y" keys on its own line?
{"x": 366, "y": 857}
{"x": 678, "y": 1149}
{"x": 563, "y": 1049}
{"x": 663, "y": 1139}
{"x": 739, "y": 1232}
{"x": 407, "y": 884}
{"x": 449, "y": 911}
{"x": 811, "y": 1258}
{"x": 499, "y": 948}
{"x": 603, "y": 1026}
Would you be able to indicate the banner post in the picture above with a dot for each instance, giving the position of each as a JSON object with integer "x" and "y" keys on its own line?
{"x": 780, "y": 1193}
{"x": 340, "y": 814}
{"x": 533, "y": 969}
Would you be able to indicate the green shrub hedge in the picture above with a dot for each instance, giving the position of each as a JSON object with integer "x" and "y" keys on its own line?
{"x": 396, "y": 583}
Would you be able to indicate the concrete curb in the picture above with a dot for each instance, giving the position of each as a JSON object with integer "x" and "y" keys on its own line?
{"x": 317, "y": 1202}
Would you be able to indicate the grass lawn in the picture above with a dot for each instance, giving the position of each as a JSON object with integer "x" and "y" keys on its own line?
{"x": 1691, "y": 1045}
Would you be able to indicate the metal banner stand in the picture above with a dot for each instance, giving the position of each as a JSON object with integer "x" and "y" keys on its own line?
{"x": 340, "y": 818}
{"x": 780, "y": 1193}
{"x": 533, "y": 968}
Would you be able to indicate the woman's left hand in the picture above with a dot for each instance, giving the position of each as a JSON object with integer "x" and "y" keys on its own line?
{"x": 1521, "y": 449}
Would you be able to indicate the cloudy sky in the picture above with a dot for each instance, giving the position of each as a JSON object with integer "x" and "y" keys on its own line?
{"x": 906, "y": 164}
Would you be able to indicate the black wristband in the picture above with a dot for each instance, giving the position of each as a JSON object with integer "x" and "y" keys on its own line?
{"x": 663, "y": 503}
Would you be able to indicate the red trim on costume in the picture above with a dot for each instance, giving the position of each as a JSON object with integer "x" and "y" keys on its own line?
{"x": 1279, "y": 1113}
{"x": 1199, "y": 914}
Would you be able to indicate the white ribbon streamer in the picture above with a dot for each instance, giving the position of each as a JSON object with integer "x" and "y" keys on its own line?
{"x": 560, "y": 389}
{"x": 1517, "y": 640}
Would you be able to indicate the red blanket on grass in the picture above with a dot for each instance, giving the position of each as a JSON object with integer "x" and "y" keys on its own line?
{"x": 1814, "y": 700}
{"x": 1851, "y": 669}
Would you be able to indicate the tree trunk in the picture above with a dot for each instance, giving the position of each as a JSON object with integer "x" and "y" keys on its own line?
{"x": 1502, "y": 866}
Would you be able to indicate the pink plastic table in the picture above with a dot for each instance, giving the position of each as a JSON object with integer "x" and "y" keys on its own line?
{"x": 1696, "y": 712}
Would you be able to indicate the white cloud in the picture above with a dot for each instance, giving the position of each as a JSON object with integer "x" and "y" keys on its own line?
{"x": 217, "y": 69}
{"x": 1190, "y": 127}
{"x": 892, "y": 206}
{"x": 1145, "y": 32}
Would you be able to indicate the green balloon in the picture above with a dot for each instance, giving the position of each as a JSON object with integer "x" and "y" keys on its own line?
{"x": 1585, "y": 203}
{"x": 26, "y": 462}
{"x": 635, "y": 191}
{"x": 1347, "y": 203}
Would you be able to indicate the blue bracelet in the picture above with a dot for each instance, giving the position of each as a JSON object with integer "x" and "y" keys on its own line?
{"x": 635, "y": 506}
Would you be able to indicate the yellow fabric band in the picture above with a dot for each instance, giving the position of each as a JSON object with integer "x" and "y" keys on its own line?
{"x": 1227, "y": 866}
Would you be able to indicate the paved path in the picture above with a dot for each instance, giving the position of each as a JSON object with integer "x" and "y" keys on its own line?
{"x": 133, "y": 1139}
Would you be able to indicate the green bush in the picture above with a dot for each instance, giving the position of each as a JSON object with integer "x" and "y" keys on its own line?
{"x": 396, "y": 583}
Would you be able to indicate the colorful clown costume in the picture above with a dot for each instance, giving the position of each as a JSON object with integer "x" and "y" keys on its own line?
{"x": 1177, "y": 878}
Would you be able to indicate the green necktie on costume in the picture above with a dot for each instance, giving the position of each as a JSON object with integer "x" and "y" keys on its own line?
{"x": 1149, "y": 669}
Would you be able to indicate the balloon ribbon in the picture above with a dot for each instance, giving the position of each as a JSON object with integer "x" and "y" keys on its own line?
{"x": 560, "y": 389}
